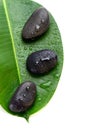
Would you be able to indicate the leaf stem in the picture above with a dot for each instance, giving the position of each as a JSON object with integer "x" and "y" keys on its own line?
{"x": 12, "y": 39}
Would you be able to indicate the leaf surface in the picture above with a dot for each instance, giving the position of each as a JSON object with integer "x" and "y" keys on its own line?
{"x": 14, "y": 52}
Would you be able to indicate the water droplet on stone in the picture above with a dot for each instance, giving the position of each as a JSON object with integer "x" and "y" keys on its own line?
{"x": 42, "y": 20}
{"x": 24, "y": 95}
{"x": 37, "y": 27}
{"x": 27, "y": 88}
{"x": 32, "y": 33}
{"x": 20, "y": 99}
{"x": 37, "y": 62}
{"x": 44, "y": 59}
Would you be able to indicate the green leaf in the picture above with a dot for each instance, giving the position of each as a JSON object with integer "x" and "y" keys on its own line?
{"x": 14, "y": 52}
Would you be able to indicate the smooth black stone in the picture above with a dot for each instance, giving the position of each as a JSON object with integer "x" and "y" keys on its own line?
{"x": 23, "y": 98}
{"x": 36, "y": 25}
{"x": 41, "y": 62}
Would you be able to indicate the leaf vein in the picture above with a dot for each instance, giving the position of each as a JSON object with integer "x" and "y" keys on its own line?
{"x": 12, "y": 39}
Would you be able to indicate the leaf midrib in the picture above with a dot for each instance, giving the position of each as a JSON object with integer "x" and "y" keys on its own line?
{"x": 12, "y": 39}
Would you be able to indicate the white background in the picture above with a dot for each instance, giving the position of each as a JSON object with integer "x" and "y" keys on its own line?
{"x": 67, "y": 110}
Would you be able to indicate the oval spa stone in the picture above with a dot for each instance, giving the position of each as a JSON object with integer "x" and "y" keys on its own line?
{"x": 36, "y": 25}
{"x": 41, "y": 62}
{"x": 23, "y": 98}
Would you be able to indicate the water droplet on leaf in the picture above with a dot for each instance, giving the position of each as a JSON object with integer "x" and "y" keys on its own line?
{"x": 57, "y": 75}
{"x": 25, "y": 48}
{"x": 39, "y": 99}
{"x": 46, "y": 84}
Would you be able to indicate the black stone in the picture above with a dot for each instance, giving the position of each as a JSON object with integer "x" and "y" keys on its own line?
{"x": 23, "y": 98}
{"x": 41, "y": 62}
{"x": 36, "y": 25}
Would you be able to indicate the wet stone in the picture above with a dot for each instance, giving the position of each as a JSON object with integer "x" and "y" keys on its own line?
{"x": 36, "y": 25}
{"x": 41, "y": 62}
{"x": 23, "y": 98}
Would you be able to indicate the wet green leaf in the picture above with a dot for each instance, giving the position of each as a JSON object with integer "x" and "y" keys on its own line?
{"x": 14, "y": 52}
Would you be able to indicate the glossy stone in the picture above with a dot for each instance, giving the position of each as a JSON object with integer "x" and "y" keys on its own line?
{"x": 23, "y": 98}
{"x": 36, "y": 25}
{"x": 41, "y": 62}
